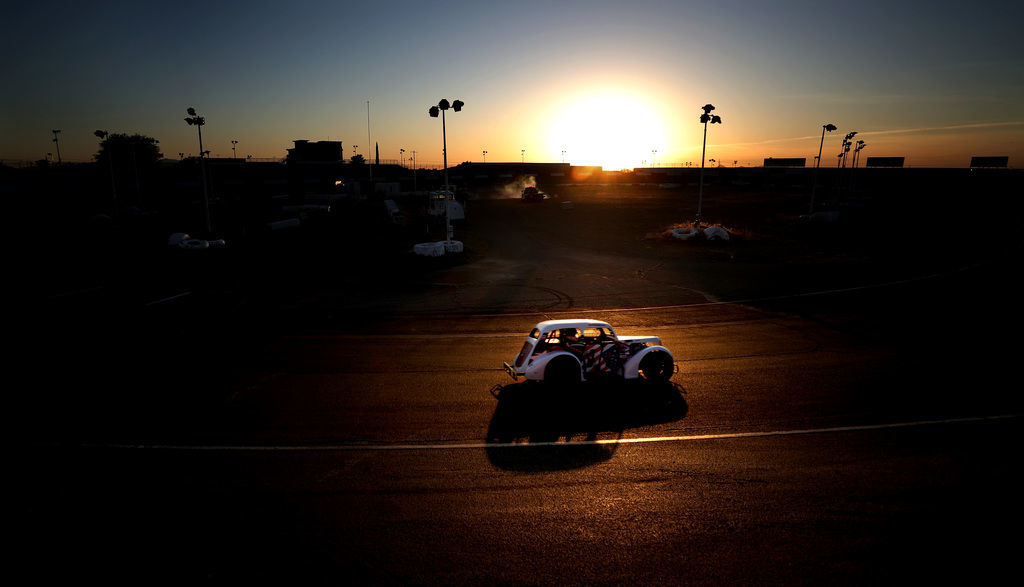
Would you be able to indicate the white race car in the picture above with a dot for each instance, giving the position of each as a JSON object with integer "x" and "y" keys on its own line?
{"x": 571, "y": 351}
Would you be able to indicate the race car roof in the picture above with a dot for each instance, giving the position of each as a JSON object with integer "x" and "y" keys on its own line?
{"x": 549, "y": 325}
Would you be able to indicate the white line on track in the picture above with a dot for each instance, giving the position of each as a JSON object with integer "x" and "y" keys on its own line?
{"x": 169, "y": 298}
{"x": 355, "y": 446}
{"x": 731, "y": 302}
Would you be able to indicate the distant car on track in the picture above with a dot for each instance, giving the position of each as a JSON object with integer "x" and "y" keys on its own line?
{"x": 532, "y": 194}
{"x": 571, "y": 351}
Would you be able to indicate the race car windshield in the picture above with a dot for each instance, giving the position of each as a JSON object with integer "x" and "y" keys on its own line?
{"x": 534, "y": 333}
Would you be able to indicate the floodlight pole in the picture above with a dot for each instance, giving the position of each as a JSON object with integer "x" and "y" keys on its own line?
{"x": 368, "y": 140}
{"x": 57, "y": 143}
{"x": 817, "y": 163}
{"x": 198, "y": 121}
{"x": 206, "y": 194}
{"x": 700, "y": 192}
{"x": 443, "y": 105}
{"x": 856, "y": 158}
{"x": 444, "y": 154}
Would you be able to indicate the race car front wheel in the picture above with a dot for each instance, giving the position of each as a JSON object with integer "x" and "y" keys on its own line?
{"x": 656, "y": 368}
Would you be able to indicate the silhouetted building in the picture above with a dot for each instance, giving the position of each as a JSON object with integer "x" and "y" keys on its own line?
{"x": 884, "y": 162}
{"x": 785, "y": 162}
{"x": 990, "y": 161}
{"x": 319, "y": 151}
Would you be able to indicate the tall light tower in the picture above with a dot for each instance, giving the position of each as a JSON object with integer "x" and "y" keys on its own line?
{"x": 368, "y": 142}
{"x": 56, "y": 142}
{"x": 522, "y": 155}
{"x": 817, "y": 162}
{"x": 441, "y": 107}
{"x": 197, "y": 121}
{"x": 485, "y": 156}
{"x": 856, "y": 152}
{"x": 847, "y": 143}
{"x": 414, "y": 187}
{"x": 401, "y": 157}
{"x": 705, "y": 118}
{"x": 856, "y": 158}
{"x": 654, "y": 153}
{"x": 234, "y": 154}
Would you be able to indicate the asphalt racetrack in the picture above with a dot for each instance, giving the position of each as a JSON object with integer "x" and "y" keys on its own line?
{"x": 842, "y": 414}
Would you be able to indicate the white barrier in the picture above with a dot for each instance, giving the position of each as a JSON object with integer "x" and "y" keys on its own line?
{"x": 437, "y": 249}
{"x": 684, "y": 233}
{"x": 429, "y": 249}
{"x": 282, "y": 224}
{"x": 716, "y": 233}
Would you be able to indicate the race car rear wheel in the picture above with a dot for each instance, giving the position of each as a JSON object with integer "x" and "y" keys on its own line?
{"x": 656, "y": 367}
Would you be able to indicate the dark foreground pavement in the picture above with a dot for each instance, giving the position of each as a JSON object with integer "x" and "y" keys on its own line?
{"x": 841, "y": 435}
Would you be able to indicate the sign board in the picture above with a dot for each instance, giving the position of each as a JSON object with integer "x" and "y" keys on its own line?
{"x": 884, "y": 162}
{"x": 989, "y": 161}
{"x": 785, "y": 162}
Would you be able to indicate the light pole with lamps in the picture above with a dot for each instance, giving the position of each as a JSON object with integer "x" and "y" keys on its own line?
{"x": 847, "y": 143}
{"x": 485, "y": 156}
{"x": 414, "y": 187}
{"x": 817, "y": 162}
{"x": 705, "y": 118}
{"x": 197, "y": 121}
{"x": 856, "y": 158}
{"x": 401, "y": 157}
{"x": 56, "y": 142}
{"x": 441, "y": 107}
{"x": 522, "y": 154}
{"x": 234, "y": 154}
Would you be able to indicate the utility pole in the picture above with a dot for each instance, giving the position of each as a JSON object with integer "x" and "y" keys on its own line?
{"x": 817, "y": 163}
{"x": 194, "y": 119}
{"x": 368, "y": 140}
{"x": 705, "y": 118}
{"x": 56, "y": 142}
{"x": 441, "y": 107}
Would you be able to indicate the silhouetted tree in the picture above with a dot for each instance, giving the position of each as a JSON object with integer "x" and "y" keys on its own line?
{"x": 358, "y": 159}
{"x": 130, "y": 158}
{"x": 129, "y": 150}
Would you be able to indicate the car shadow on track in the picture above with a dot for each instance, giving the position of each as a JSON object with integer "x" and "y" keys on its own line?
{"x": 554, "y": 429}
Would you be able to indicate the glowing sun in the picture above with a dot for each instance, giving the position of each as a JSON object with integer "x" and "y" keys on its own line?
{"x": 615, "y": 131}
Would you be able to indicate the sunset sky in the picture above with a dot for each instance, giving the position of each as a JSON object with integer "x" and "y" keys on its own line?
{"x": 618, "y": 84}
